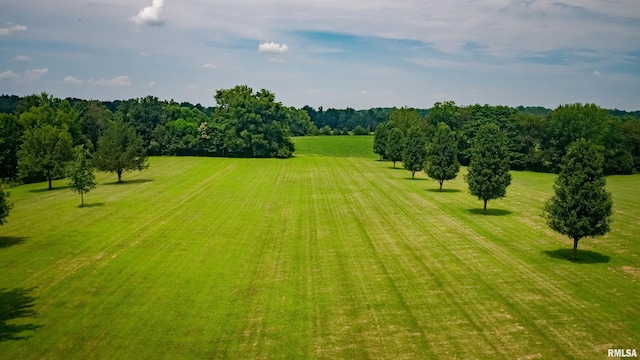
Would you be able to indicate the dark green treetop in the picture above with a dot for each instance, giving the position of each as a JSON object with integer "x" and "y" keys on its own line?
{"x": 581, "y": 206}
{"x": 415, "y": 150}
{"x": 395, "y": 145}
{"x": 120, "y": 149}
{"x": 442, "y": 155}
{"x": 45, "y": 151}
{"x": 488, "y": 173}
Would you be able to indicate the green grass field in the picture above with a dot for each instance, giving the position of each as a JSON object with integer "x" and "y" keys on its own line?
{"x": 336, "y": 146}
{"x": 313, "y": 257}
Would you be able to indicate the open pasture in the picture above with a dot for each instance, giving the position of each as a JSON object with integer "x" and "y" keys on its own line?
{"x": 313, "y": 257}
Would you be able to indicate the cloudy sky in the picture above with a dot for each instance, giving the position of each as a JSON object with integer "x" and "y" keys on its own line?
{"x": 331, "y": 53}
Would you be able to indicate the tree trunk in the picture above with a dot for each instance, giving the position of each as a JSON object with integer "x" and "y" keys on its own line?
{"x": 574, "y": 254}
{"x": 440, "y": 184}
{"x": 119, "y": 175}
{"x": 81, "y": 199}
{"x": 485, "y": 206}
{"x": 50, "y": 187}
{"x": 394, "y": 164}
{"x": 413, "y": 174}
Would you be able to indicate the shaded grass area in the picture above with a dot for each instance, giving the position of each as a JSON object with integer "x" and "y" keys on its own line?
{"x": 314, "y": 257}
{"x": 336, "y": 146}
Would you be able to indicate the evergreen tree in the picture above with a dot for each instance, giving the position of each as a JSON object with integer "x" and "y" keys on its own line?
{"x": 442, "y": 155}
{"x": 581, "y": 206}
{"x": 120, "y": 149}
{"x": 415, "y": 151}
{"x": 488, "y": 173}
{"x": 395, "y": 145}
{"x": 380, "y": 140}
{"x": 80, "y": 173}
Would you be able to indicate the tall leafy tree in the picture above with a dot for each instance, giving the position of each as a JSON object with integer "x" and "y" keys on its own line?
{"x": 568, "y": 123}
{"x": 380, "y": 140}
{"x": 446, "y": 112}
{"x": 442, "y": 155}
{"x": 415, "y": 151}
{"x": 488, "y": 173}
{"x": 10, "y": 138}
{"x": 45, "y": 152}
{"x": 5, "y": 206}
{"x": 120, "y": 149}
{"x": 581, "y": 206}
{"x": 80, "y": 173}
{"x": 395, "y": 145}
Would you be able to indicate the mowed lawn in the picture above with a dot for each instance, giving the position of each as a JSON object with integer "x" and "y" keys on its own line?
{"x": 314, "y": 257}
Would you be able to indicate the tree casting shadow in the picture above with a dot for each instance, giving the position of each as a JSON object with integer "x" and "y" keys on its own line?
{"x": 16, "y": 304}
{"x": 584, "y": 256}
{"x": 445, "y": 190}
{"x": 9, "y": 241}
{"x": 415, "y": 179}
{"x": 127, "y": 182}
{"x": 490, "y": 212}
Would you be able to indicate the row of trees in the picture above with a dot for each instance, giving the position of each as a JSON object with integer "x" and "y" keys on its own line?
{"x": 580, "y": 206}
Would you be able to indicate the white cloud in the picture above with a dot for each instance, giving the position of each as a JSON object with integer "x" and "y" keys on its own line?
{"x": 35, "y": 74}
{"x": 209, "y": 66}
{"x": 21, "y": 58}
{"x": 11, "y": 29}
{"x": 151, "y": 84}
{"x": 597, "y": 73}
{"x": 273, "y": 48}
{"x": 72, "y": 80}
{"x": 9, "y": 75}
{"x": 122, "y": 80}
{"x": 151, "y": 15}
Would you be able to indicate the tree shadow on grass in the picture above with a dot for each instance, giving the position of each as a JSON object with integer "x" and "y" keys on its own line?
{"x": 43, "y": 190}
{"x": 415, "y": 179}
{"x": 445, "y": 190}
{"x": 90, "y": 205}
{"x": 9, "y": 241}
{"x": 490, "y": 212}
{"x": 584, "y": 256}
{"x": 127, "y": 182}
{"x": 16, "y": 304}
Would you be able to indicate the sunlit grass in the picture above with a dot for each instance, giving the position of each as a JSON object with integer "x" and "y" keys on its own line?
{"x": 313, "y": 257}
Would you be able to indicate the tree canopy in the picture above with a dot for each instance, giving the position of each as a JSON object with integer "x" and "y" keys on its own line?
{"x": 120, "y": 149}
{"x": 80, "y": 173}
{"x": 580, "y": 206}
{"x": 442, "y": 155}
{"x": 415, "y": 150}
{"x": 5, "y": 206}
{"x": 45, "y": 152}
{"x": 488, "y": 173}
{"x": 395, "y": 145}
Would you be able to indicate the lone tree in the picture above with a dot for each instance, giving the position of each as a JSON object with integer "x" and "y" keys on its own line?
{"x": 80, "y": 173}
{"x": 581, "y": 206}
{"x": 395, "y": 145}
{"x": 488, "y": 173}
{"x": 380, "y": 139}
{"x": 120, "y": 149}
{"x": 442, "y": 155}
{"x": 415, "y": 151}
{"x": 5, "y": 206}
{"x": 45, "y": 151}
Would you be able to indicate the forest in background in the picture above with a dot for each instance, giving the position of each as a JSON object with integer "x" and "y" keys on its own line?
{"x": 537, "y": 136}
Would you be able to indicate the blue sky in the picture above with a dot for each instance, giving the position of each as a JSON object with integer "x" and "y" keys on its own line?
{"x": 330, "y": 53}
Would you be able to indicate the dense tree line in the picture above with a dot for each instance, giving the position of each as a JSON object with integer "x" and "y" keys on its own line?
{"x": 536, "y": 139}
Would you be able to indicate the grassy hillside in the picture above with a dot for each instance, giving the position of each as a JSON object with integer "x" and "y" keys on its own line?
{"x": 313, "y": 257}
{"x": 335, "y": 146}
